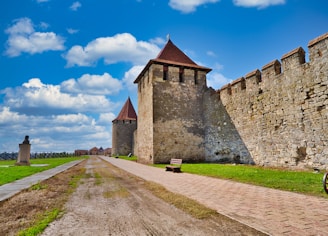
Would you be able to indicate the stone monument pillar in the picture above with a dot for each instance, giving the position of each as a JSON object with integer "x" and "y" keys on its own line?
{"x": 24, "y": 153}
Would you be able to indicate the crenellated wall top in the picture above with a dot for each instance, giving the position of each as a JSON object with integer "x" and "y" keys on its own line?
{"x": 318, "y": 39}
{"x": 274, "y": 63}
{"x": 297, "y": 51}
{"x": 318, "y": 53}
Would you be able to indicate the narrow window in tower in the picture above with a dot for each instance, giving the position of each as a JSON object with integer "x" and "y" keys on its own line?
{"x": 181, "y": 74}
{"x": 196, "y": 77}
{"x": 165, "y": 72}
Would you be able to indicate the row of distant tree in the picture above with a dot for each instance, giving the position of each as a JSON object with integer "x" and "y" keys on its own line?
{"x": 14, "y": 155}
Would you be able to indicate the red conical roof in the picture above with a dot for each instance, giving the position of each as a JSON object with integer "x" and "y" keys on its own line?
{"x": 172, "y": 55}
{"x": 127, "y": 112}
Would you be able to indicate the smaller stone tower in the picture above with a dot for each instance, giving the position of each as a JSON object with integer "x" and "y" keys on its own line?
{"x": 123, "y": 128}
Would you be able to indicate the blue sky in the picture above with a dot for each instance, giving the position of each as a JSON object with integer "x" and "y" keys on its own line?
{"x": 67, "y": 67}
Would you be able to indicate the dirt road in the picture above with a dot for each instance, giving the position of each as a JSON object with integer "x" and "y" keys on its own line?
{"x": 109, "y": 201}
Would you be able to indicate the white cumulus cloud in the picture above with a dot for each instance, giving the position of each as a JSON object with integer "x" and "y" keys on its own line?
{"x": 54, "y": 133}
{"x": 216, "y": 80}
{"x": 35, "y": 97}
{"x": 33, "y": 83}
{"x": 119, "y": 48}
{"x": 258, "y": 3}
{"x": 130, "y": 76}
{"x": 106, "y": 118}
{"x": 24, "y": 39}
{"x": 93, "y": 84}
{"x": 188, "y": 6}
{"x": 72, "y": 118}
{"x": 7, "y": 117}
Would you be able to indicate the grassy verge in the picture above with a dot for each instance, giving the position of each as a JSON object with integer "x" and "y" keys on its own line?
{"x": 55, "y": 209}
{"x": 12, "y": 173}
{"x": 41, "y": 224}
{"x": 186, "y": 204}
{"x": 296, "y": 181}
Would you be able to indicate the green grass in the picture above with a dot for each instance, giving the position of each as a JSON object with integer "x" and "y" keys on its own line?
{"x": 296, "y": 181}
{"x": 41, "y": 224}
{"x": 118, "y": 192}
{"x": 99, "y": 180}
{"x": 75, "y": 179}
{"x": 12, "y": 173}
{"x": 44, "y": 219}
{"x": 38, "y": 186}
{"x": 182, "y": 202}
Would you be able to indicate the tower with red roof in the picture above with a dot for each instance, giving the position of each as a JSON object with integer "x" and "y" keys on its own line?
{"x": 123, "y": 127}
{"x": 170, "y": 108}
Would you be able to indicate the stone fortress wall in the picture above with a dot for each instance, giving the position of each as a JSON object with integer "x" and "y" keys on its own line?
{"x": 280, "y": 112}
{"x": 274, "y": 117}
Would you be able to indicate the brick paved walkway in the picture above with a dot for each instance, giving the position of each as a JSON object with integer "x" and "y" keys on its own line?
{"x": 271, "y": 211}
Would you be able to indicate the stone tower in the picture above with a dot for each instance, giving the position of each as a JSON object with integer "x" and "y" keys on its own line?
{"x": 170, "y": 108}
{"x": 123, "y": 127}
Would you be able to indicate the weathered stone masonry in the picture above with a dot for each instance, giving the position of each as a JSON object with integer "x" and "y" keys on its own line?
{"x": 171, "y": 111}
{"x": 222, "y": 140}
{"x": 179, "y": 114}
{"x": 281, "y": 112}
{"x": 123, "y": 128}
{"x": 277, "y": 116}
